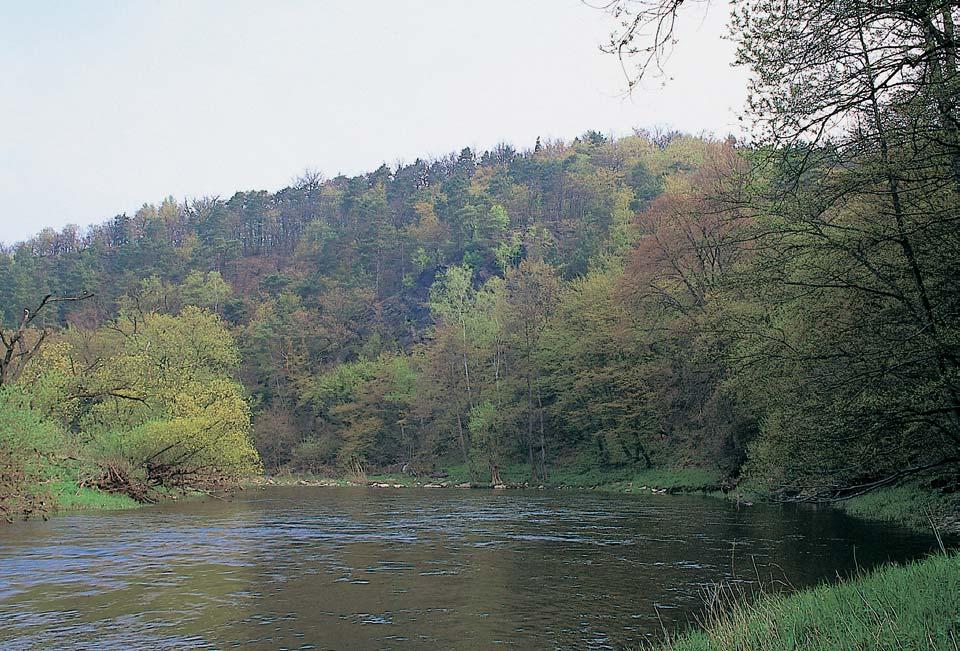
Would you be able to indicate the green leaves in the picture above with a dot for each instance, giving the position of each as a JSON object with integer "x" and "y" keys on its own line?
{"x": 30, "y": 450}
{"x": 156, "y": 390}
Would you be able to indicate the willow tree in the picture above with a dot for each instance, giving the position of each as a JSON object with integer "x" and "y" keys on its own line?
{"x": 150, "y": 401}
{"x": 21, "y": 345}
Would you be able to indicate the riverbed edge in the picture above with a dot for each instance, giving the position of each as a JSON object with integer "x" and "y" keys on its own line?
{"x": 904, "y": 606}
{"x": 908, "y": 504}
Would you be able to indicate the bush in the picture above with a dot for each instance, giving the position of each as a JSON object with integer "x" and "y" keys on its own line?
{"x": 29, "y": 446}
{"x": 314, "y": 455}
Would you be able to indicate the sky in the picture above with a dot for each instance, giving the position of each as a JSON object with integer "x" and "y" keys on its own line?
{"x": 107, "y": 105}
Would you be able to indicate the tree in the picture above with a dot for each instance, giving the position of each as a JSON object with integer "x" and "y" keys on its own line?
{"x": 487, "y": 441}
{"x": 451, "y": 299}
{"x": 208, "y": 290}
{"x": 29, "y": 449}
{"x": 644, "y": 34}
{"x": 860, "y": 108}
{"x": 21, "y": 345}
{"x": 595, "y": 372}
{"x": 843, "y": 328}
{"x": 151, "y": 400}
{"x": 532, "y": 292}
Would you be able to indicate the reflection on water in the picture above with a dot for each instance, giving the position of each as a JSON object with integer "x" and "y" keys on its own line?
{"x": 322, "y": 568}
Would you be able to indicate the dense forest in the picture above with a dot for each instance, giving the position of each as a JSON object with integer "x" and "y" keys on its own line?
{"x": 783, "y": 311}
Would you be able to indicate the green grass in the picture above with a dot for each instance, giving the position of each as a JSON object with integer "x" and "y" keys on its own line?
{"x": 910, "y": 504}
{"x": 629, "y": 480}
{"x": 914, "y": 606}
{"x": 66, "y": 496}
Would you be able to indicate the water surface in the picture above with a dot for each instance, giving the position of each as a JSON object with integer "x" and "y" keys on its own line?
{"x": 325, "y": 568}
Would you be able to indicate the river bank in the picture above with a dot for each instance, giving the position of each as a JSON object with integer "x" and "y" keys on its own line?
{"x": 911, "y": 606}
{"x": 909, "y": 504}
{"x": 66, "y": 497}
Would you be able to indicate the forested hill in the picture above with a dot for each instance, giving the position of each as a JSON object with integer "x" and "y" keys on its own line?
{"x": 336, "y": 271}
{"x": 600, "y": 304}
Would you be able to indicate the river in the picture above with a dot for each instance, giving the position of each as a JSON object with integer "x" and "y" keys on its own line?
{"x": 354, "y": 568}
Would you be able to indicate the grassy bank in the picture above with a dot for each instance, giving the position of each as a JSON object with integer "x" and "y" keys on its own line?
{"x": 66, "y": 496}
{"x": 910, "y": 504}
{"x": 682, "y": 480}
{"x": 913, "y": 606}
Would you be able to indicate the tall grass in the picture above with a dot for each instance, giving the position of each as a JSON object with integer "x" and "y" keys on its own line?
{"x": 914, "y": 606}
{"x": 911, "y": 504}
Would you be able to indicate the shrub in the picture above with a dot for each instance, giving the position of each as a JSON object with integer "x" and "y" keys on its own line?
{"x": 29, "y": 446}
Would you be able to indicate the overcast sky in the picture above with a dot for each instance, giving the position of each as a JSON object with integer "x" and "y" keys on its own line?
{"x": 108, "y": 105}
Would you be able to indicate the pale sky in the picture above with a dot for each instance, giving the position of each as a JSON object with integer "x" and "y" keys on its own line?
{"x": 108, "y": 105}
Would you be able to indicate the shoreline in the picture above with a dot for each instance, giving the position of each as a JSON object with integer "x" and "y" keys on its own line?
{"x": 912, "y": 598}
{"x": 68, "y": 499}
{"x": 895, "y": 606}
{"x": 906, "y": 505}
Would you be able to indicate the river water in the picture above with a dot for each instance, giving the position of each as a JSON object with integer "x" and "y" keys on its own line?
{"x": 353, "y": 568}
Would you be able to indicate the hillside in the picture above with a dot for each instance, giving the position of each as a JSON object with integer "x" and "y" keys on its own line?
{"x": 599, "y": 307}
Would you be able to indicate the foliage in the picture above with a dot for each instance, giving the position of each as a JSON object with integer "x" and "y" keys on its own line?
{"x": 600, "y": 310}
{"x": 208, "y": 290}
{"x": 143, "y": 404}
{"x": 29, "y": 450}
{"x": 595, "y": 375}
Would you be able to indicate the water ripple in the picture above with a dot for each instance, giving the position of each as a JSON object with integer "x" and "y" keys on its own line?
{"x": 352, "y": 568}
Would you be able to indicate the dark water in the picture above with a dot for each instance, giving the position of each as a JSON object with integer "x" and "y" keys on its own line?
{"x": 357, "y": 568}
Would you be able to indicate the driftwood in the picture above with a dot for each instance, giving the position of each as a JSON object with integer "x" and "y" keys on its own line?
{"x": 116, "y": 477}
{"x": 149, "y": 485}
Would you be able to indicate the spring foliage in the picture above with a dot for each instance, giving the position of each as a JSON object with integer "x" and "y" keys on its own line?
{"x": 147, "y": 400}
{"x": 781, "y": 313}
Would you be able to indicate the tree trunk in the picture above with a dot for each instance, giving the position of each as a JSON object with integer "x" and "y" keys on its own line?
{"x": 543, "y": 441}
{"x": 495, "y": 475}
{"x": 463, "y": 440}
{"x": 533, "y": 465}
